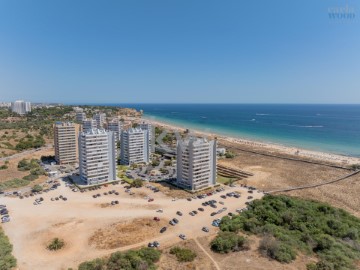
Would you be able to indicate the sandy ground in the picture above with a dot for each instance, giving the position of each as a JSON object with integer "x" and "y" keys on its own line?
{"x": 81, "y": 216}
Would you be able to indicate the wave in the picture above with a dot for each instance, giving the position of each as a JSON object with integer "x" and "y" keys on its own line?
{"x": 262, "y": 114}
{"x": 305, "y": 126}
{"x": 204, "y": 117}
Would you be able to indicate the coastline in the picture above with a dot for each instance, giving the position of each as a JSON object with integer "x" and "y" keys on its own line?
{"x": 266, "y": 146}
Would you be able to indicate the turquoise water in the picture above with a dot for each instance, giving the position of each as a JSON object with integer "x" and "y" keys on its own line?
{"x": 328, "y": 128}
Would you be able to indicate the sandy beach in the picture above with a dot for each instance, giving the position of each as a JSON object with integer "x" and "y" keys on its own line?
{"x": 266, "y": 146}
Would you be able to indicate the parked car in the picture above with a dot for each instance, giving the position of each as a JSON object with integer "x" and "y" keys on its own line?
{"x": 205, "y": 229}
{"x": 179, "y": 213}
{"x": 163, "y": 229}
{"x": 156, "y": 219}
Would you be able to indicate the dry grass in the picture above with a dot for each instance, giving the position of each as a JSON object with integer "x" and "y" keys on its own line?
{"x": 12, "y": 171}
{"x": 126, "y": 233}
{"x": 273, "y": 173}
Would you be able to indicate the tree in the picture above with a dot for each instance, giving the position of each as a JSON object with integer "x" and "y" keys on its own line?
{"x": 228, "y": 241}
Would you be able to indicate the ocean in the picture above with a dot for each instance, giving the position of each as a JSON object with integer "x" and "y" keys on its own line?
{"x": 326, "y": 128}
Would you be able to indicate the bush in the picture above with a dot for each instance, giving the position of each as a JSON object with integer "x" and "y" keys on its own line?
{"x": 276, "y": 250}
{"x": 97, "y": 264}
{"x": 320, "y": 266}
{"x": 228, "y": 241}
{"x": 3, "y": 167}
{"x": 30, "y": 177}
{"x": 137, "y": 183}
{"x": 37, "y": 188}
{"x": 7, "y": 260}
{"x": 155, "y": 162}
{"x": 143, "y": 258}
{"x": 183, "y": 254}
{"x": 56, "y": 244}
{"x": 291, "y": 224}
{"x": 229, "y": 154}
{"x": 14, "y": 183}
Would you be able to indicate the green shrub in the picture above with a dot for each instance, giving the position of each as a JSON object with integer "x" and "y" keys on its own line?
{"x": 30, "y": 177}
{"x": 183, "y": 254}
{"x": 229, "y": 154}
{"x": 56, "y": 244}
{"x": 37, "y": 188}
{"x": 292, "y": 224}
{"x": 225, "y": 242}
{"x": 97, "y": 264}
{"x": 7, "y": 260}
{"x": 14, "y": 183}
{"x": 137, "y": 183}
{"x": 143, "y": 258}
{"x": 3, "y": 167}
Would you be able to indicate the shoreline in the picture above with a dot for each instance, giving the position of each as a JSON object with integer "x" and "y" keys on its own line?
{"x": 267, "y": 146}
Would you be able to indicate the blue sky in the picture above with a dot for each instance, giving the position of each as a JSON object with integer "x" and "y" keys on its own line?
{"x": 179, "y": 51}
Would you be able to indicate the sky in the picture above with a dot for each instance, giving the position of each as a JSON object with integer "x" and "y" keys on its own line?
{"x": 180, "y": 51}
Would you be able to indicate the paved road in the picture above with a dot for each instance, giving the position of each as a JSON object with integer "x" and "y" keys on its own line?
{"x": 23, "y": 153}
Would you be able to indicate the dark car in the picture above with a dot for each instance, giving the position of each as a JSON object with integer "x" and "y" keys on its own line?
{"x": 176, "y": 221}
{"x": 201, "y": 209}
{"x": 213, "y": 214}
{"x": 163, "y": 229}
{"x": 179, "y": 213}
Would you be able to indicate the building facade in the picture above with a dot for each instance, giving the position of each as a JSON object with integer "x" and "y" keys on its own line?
{"x": 97, "y": 156}
{"x": 196, "y": 163}
{"x": 21, "y": 107}
{"x": 115, "y": 126}
{"x": 134, "y": 146}
{"x": 89, "y": 124}
{"x": 65, "y": 143}
{"x": 151, "y": 135}
{"x": 80, "y": 116}
{"x": 100, "y": 119}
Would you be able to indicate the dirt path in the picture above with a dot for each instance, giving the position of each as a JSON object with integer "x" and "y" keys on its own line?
{"x": 207, "y": 254}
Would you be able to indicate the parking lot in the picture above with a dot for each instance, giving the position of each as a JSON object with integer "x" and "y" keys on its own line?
{"x": 78, "y": 217}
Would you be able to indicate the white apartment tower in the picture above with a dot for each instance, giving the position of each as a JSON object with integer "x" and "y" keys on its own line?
{"x": 89, "y": 124}
{"x": 100, "y": 119}
{"x": 21, "y": 107}
{"x": 65, "y": 143}
{"x": 115, "y": 126}
{"x": 196, "y": 163}
{"x": 134, "y": 146}
{"x": 151, "y": 135}
{"x": 80, "y": 115}
{"x": 97, "y": 156}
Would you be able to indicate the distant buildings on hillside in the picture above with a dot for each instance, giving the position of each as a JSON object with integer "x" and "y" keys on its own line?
{"x": 21, "y": 107}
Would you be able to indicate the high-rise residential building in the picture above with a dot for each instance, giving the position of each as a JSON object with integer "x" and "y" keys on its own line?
{"x": 21, "y": 107}
{"x": 100, "y": 119}
{"x": 134, "y": 146}
{"x": 97, "y": 156}
{"x": 80, "y": 115}
{"x": 115, "y": 126}
{"x": 151, "y": 135}
{"x": 89, "y": 124}
{"x": 65, "y": 143}
{"x": 196, "y": 163}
